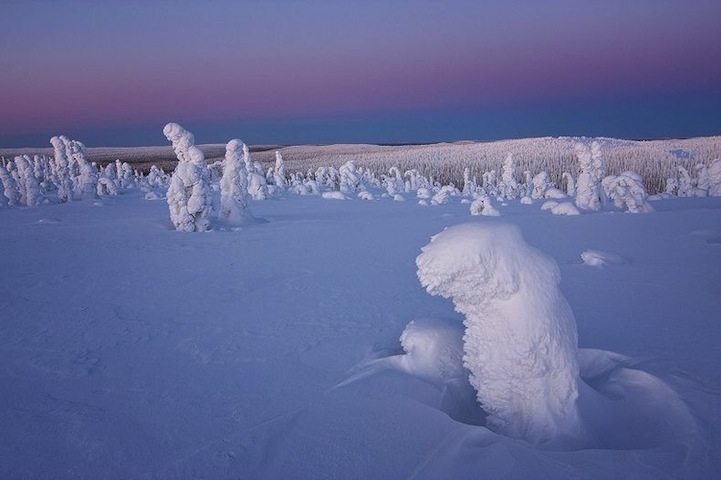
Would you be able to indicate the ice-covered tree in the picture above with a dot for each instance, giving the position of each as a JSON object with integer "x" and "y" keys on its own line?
{"x": 279, "y": 172}
{"x": 508, "y": 186}
{"x": 685, "y": 184}
{"x": 589, "y": 193}
{"x": 703, "y": 181}
{"x": 350, "y": 178}
{"x": 541, "y": 184}
{"x": 257, "y": 185}
{"x": 714, "y": 173}
{"x": 627, "y": 191}
{"x": 234, "y": 185}
{"x": 61, "y": 169}
{"x": 570, "y": 184}
{"x": 469, "y": 184}
{"x": 29, "y": 186}
{"x": 189, "y": 194}
{"x": 11, "y": 191}
{"x": 520, "y": 343}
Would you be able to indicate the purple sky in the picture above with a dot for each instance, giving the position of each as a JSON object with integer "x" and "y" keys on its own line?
{"x": 275, "y": 71}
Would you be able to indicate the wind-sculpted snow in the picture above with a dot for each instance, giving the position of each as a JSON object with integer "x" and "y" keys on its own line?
{"x": 520, "y": 341}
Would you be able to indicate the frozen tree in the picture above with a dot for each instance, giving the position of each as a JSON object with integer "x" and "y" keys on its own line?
{"x": 570, "y": 184}
{"x": 85, "y": 183}
{"x": 509, "y": 186}
{"x": 589, "y": 194}
{"x": 394, "y": 182}
{"x": 234, "y": 184}
{"x": 29, "y": 186}
{"x": 443, "y": 194}
{"x": 490, "y": 183}
{"x": 350, "y": 178}
{"x": 714, "y": 173}
{"x": 257, "y": 185}
{"x": 703, "y": 181}
{"x": 671, "y": 186}
{"x": 541, "y": 184}
{"x": 125, "y": 175}
{"x": 627, "y": 191}
{"x": 279, "y": 172}
{"x": 189, "y": 194}
{"x": 685, "y": 184}
{"x": 61, "y": 169}
{"x": 11, "y": 190}
{"x": 482, "y": 206}
{"x": 520, "y": 344}
{"x": 469, "y": 184}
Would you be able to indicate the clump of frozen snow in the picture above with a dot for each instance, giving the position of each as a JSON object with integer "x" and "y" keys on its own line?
{"x": 565, "y": 208}
{"x": 549, "y": 205}
{"x": 399, "y": 198}
{"x": 520, "y": 341}
{"x": 597, "y": 258}
{"x": 525, "y": 200}
{"x": 335, "y": 195}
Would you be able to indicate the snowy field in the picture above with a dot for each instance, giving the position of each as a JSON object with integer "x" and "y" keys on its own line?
{"x": 131, "y": 350}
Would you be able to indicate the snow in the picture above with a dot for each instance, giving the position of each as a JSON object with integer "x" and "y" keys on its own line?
{"x": 131, "y": 350}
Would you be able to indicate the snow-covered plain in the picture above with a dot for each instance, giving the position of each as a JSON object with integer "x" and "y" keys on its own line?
{"x": 131, "y": 350}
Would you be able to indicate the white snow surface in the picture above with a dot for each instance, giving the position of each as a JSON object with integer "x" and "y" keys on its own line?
{"x": 131, "y": 350}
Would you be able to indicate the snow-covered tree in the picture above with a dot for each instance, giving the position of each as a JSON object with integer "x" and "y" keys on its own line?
{"x": 469, "y": 184}
{"x": 11, "y": 190}
{"x": 508, "y": 186}
{"x": 520, "y": 343}
{"x": 350, "y": 178}
{"x": 714, "y": 173}
{"x": 541, "y": 184}
{"x": 589, "y": 194}
{"x": 570, "y": 184}
{"x": 61, "y": 169}
{"x": 703, "y": 181}
{"x": 685, "y": 184}
{"x": 234, "y": 185}
{"x": 279, "y": 172}
{"x": 29, "y": 186}
{"x": 257, "y": 185}
{"x": 627, "y": 191}
{"x": 189, "y": 194}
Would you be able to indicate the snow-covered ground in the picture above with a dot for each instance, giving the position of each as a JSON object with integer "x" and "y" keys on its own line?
{"x": 131, "y": 350}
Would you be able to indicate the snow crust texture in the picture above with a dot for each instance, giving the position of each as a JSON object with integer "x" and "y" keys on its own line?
{"x": 520, "y": 341}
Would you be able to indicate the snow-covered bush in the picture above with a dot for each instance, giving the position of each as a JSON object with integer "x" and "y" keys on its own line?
{"x": 443, "y": 194}
{"x": 685, "y": 184}
{"x": 627, "y": 191}
{"x": 189, "y": 194}
{"x": 589, "y": 194}
{"x": 482, "y": 206}
{"x": 393, "y": 182}
{"x": 234, "y": 184}
{"x": 85, "y": 182}
{"x": 565, "y": 208}
{"x": 520, "y": 344}
{"x": 279, "y": 172}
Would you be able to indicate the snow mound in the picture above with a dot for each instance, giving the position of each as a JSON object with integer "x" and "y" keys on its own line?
{"x": 333, "y": 196}
{"x": 398, "y": 198}
{"x": 49, "y": 221}
{"x": 526, "y": 201}
{"x": 565, "y": 208}
{"x": 597, "y": 258}
{"x": 549, "y": 205}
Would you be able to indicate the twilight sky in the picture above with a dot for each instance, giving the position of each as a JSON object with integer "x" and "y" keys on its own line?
{"x": 112, "y": 73}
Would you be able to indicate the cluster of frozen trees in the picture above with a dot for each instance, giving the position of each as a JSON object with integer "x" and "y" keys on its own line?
{"x": 192, "y": 191}
{"x": 65, "y": 176}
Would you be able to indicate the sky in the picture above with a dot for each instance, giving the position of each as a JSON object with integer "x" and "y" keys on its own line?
{"x": 112, "y": 73}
